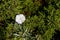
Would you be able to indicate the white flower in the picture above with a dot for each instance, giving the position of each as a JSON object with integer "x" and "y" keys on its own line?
{"x": 20, "y": 18}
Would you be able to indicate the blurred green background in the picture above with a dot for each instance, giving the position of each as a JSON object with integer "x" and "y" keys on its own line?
{"x": 42, "y": 19}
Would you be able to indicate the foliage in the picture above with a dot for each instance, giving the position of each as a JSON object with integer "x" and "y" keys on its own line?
{"x": 42, "y": 19}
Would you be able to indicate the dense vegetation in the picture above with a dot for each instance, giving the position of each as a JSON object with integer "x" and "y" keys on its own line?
{"x": 42, "y": 19}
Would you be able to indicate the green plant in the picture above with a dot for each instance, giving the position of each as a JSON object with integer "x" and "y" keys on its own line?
{"x": 41, "y": 19}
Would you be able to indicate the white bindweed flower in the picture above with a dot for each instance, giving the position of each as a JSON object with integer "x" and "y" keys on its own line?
{"x": 20, "y": 18}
